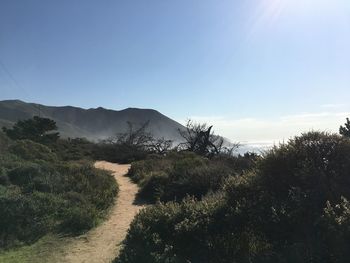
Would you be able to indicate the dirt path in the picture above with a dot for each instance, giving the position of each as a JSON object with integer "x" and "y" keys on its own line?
{"x": 101, "y": 245}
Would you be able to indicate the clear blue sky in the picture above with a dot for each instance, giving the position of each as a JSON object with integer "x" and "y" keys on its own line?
{"x": 248, "y": 66}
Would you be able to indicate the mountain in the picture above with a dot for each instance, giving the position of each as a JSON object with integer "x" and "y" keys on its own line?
{"x": 93, "y": 124}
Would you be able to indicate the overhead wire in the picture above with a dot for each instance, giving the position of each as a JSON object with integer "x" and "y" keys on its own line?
{"x": 15, "y": 83}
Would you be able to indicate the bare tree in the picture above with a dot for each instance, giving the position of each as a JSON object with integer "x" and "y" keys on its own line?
{"x": 140, "y": 139}
{"x": 200, "y": 139}
{"x": 160, "y": 146}
{"x": 136, "y": 137}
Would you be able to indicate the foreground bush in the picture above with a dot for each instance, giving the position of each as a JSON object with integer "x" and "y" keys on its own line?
{"x": 39, "y": 194}
{"x": 177, "y": 175}
{"x": 293, "y": 207}
{"x": 174, "y": 178}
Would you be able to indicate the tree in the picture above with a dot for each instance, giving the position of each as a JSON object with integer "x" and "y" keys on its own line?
{"x": 160, "y": 146}
{"x": 345, "y": 131}
{"x": 200, "y": 139}
{"x": 126, "y": 147}
{"x": 135, "y": 137}
{"x": 36, "y": 129}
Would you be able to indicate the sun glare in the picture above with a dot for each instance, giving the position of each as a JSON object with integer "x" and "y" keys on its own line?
{"x": 269, "y": 12}
{"x": 275, "y": 7}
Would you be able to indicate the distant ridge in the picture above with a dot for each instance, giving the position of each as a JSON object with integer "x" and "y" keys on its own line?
{"x": 93, "y": 124}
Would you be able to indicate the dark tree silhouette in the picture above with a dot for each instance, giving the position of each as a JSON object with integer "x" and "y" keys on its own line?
{"x": 137, "y": 137}
{"x": 345, "y": 131}
{"x": 36, "y": 129}
{"x": 160, "y": 146}
{"x": 200, "y": 139}
{"x": 133, "y": 144}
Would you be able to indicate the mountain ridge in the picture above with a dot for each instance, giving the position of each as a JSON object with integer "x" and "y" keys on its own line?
{"x": 93, "y": 123}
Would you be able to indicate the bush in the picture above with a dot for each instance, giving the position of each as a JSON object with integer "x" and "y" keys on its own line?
{"x": 153, "y": 187}
{"x": 4, "y": 180}
{"x": 29, "y": 150}
{"x": 74, "y": 149}
{"x": 42, "y": 190}
{"x": 26, "y": 217}
{"x": 176, "y": 176}
{"x": 292, "y": 207}
{"x": 78, "y": 214}
{"x": 39, "y": 194}
{"x": 172, "y": 232}
{"x": 119, "y": 153}
{"x": 4, "y": 143}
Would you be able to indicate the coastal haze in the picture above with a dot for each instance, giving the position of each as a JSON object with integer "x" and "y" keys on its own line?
{"x": 252, "y": 135}
{"x": 92, "y": 124}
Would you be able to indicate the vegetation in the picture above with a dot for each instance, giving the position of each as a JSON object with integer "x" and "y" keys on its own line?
{"x": 41, "y": 192}
{"x": 200, "y": 139}
{"x": 177, "y": 175}
{"x": 345, "y": 130}
{"x": 292, "y": 206}
{"x": 36, "y": 129}
{"x": 75, "y": 149}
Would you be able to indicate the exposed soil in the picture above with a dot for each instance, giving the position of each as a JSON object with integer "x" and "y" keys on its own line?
{"x": 102, "y": 244}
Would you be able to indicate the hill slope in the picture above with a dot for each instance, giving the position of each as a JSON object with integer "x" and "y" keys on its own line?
{"x": 93, "y": 124}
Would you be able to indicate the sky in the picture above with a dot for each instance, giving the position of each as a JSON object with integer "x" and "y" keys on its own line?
{"x": 260, "y": 71}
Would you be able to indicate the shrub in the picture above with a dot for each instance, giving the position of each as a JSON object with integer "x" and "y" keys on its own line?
{"x": 153, "y": 187}
{"x": 176, "y": 176}
{"x": 4, "y": 143}
{"x": 77, "y": 215}
{"x": 170, "y": 232}
{"x": 119, "y": 153}
{"x": 4, "y": 180}
{"x": 29, "y": 150}
{"x": 39, "y": 194}
{"x": 35, "y": 177}
{"x": 292, "y": 207}
{"x": 26, "y": 217}
{"x": 74, "y": 149}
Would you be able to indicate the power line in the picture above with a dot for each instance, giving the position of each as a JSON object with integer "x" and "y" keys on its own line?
{"x": 16, "y": 83}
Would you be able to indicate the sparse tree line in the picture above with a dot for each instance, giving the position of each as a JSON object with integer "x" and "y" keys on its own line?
{"x": 136, "y": 142}
{"x": 196, "y": 137}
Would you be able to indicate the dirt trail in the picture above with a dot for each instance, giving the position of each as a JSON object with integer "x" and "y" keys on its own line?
{"x": 101, "y": 245}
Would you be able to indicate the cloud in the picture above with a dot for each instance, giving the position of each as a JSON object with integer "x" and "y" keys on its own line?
{"x": 266, "y": 132}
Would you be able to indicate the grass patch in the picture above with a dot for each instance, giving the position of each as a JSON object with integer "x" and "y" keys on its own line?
{"x": 46, "y": 249}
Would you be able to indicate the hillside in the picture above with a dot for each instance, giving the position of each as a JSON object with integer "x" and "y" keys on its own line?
{"x": 93, "y": 124}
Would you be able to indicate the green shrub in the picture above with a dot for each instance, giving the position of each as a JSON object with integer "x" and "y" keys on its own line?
{"x": 178, "y": 175}
{"x": 170, "y": 233}
{"x": 26, "y": 217}
{"x": 4, "y": 180}
{"x": 29, "y": 150}
{"x": 153, "y": 187}
{"x": 48, "y": 188}
{"x": 39, "y": 194}
{"x": 292, "y": 207}
{"x": 4, "y": 143}
{"x": 78, "y": 215}
{"x": 74, "y": 149}
{"x": 35, "y": 177}
{"x": 194, "y": 177}
{"x": 119, "y": 153}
